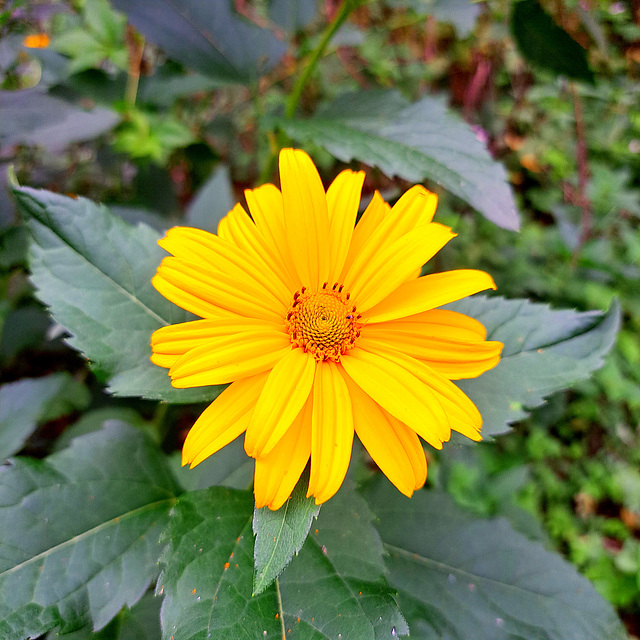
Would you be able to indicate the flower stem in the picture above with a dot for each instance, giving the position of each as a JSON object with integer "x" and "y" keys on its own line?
{"x": 294, "y": 99}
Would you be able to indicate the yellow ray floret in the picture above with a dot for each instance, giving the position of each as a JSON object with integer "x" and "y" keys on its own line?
{"x": 324, "y": 329}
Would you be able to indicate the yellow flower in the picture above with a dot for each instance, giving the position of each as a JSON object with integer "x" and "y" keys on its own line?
{"x": 323, "y": 329}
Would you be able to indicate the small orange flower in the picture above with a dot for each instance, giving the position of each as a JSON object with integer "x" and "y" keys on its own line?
{"x": 37, "y": 41}
{"x": 324, "y": 328}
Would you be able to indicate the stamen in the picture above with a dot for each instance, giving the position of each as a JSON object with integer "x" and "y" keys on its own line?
{"x": 323, "y": 323}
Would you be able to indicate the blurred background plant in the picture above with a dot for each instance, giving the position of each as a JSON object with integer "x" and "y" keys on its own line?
{"x": 165, "y": 129}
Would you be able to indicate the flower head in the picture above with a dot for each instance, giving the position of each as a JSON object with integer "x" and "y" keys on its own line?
{"x": 323, "y": 328}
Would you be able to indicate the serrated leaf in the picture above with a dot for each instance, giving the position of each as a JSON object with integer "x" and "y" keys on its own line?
{"x": 418, "y": 141}
{"x": 79, "y": 531}
{"x": 209, "y": 37}
{"x": 280, "y": 534}
{"x": 80, "y": 246}
{"x": 25, "y": 403}
{"x": 546, "y": 44}
{"x": 545, "y": 351}
{"x": 333, "y": 590}
{"x": 462, "y": 577}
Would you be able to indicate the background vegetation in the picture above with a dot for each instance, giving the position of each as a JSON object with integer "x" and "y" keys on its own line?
{"x": 109, "y": 106}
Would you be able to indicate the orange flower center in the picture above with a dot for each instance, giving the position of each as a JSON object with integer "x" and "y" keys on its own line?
{"x": 323, "y": 323}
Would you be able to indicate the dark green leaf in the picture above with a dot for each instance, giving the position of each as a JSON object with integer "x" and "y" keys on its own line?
{"x": 208, "y": 574}
{"x": 27, "y": 402}
{"x": 333, "y": 590}
{"x": 212, "y": 202}
{"x": 281, "y": 533}
{"x": 293, "y": 15}
{"x": 544, "y": 43}
{"x": 462, "y": 577}
{"x": 141, "y": 622}
{"x": 209, "y": 37}
{"x": 114, "y": 309}
{"x": 336, "y": 584}
{"x": 79, "y": 531}
{"x": 416, "y": 141}
{"x": 229, "y": 467}
{"x": 35, "y": 118}
{"x": 545, "y": 351}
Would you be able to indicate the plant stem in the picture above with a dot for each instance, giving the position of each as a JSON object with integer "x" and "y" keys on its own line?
{"x": 294, "y": 99}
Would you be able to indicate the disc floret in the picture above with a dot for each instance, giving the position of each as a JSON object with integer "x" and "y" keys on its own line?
{"x": 323, "y": 323}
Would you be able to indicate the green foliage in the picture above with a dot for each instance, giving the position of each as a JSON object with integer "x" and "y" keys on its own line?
{"x": 115, "y": 309}
{"x": 190, "y": 100}
{"x": 280, "y": 534}
{"x": 413, "y": 141}
{"x": 442, "y": 560}
{"x": 545, "y": 44}
{"x": 80, "y": 531}
{"x": 29, "y": 401}
{"x": 548, "y": 351}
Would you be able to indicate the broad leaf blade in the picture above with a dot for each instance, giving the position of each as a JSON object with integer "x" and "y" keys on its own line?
{"x": 333, "y": 590}
{"x": 462, "y": 577}
{"x": 209, "y": 37}
{"x": 113, "y": 309}
{"x": 544, "y": 43}
{"x": 416, "y": 141}
{"x": 79, "y": 531}
{"x": 281, "y": 533}
{"x": 212, "y": 202}
{"x": 32, "y": 117}
{"x": 545, "y": 351}
{"x": 31, "y": 400}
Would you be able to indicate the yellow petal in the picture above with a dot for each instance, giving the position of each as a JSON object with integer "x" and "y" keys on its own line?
{"x": 266, "y": 207}
{"x": 428, "y": 292}
{"x": 238, "y": 228}
{"x": 229, "y": 358}
{"x": 331, "y": 432}
{"x": 227, "y": 290}
{"x": 170, "y": 342}
{"x": 281, "y": 400}
{"x": 223, "y": 420}
{"x": 277, "y": 474}
{"x": 305, "y": 217}
{"x": 440, "y": 323}
{"x": 398, "y": 390}
{"x": 372, "y": 217}
{"x": 462, "y": 414}
{"x": 395, "y": 263}
{"x": 343, "y": 200}
{"x": 190, "y": 301}
{"x": 385, "y": 438}
{"x": 214, "y": 254}
{"x": 452, "y": 357}
{"x": 414, "y": 209}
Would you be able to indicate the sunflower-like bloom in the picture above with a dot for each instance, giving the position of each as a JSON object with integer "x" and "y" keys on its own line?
{"x": 323, "y": 328}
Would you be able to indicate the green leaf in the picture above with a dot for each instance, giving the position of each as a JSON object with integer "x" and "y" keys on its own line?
{"x": 108, "y": 264}
{"x": 141, "y": 622}
{"x": 209, "y": 37}
{"x": 462, "y": 577}
{"x": 336, "y": 585}
{"x": 418, "y": 141}
{"x": 333, "y": 589}
{"x": 27, "y": 402}
{"x": 229, "y": 467}
{"x": 544, "y": 43}
{"x": 79, "y": 531}
{"x": 545, "y": 351}
{"x": 281, "y": 533}
{"x": 462, "y": 14}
